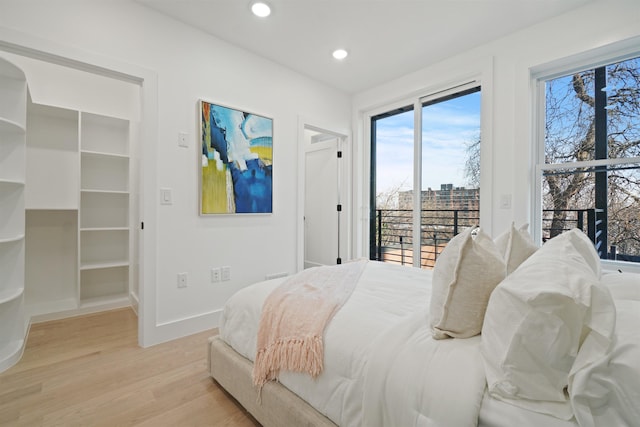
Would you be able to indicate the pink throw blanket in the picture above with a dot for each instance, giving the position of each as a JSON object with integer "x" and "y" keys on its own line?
{"x": 294, "y": 317}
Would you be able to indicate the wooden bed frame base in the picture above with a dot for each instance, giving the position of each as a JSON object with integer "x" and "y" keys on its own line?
{"x": 278, "y": 406}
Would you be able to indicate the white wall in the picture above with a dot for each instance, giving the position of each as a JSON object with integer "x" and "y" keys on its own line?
{"x": 191, "y": 65}
{"x": 597, "y": 24}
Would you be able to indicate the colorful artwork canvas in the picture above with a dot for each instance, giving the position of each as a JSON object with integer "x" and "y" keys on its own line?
{"x": 237, "y": 161}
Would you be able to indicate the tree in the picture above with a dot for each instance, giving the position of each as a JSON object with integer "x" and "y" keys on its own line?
{"x": 394, "y": 218}
{"x": 472, "y": 164}
{"x": 571, "y": 136}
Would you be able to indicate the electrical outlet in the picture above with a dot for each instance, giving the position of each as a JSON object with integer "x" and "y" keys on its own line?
{"x": 226, "y": 273}
{"x": 182, "y": 280}
{"x": 215, "y": 275}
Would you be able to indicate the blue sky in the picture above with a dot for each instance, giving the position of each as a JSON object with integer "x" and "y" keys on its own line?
{"x": 448, "y": 127}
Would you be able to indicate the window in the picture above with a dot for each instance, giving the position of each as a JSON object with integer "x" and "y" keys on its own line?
{"x": 590, "y": 170}
{"x": 424, "y": 184}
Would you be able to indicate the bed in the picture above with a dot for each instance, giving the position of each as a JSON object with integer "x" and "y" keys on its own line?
{"x": 559, "y": 345}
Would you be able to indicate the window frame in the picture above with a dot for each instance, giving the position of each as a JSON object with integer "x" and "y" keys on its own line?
{"x": 539, "y": 75}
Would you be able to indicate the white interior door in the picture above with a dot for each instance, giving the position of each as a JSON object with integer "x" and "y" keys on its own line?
{"x": 322, "y": 197}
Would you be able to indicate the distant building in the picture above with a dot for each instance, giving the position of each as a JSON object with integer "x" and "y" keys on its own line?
{"x": 448, "y": 197}
{"x": 395, "y": 241}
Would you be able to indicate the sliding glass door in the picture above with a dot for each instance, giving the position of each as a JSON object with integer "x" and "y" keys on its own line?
{"x": 450, "y": 184}
{"x": 424, "y": 176}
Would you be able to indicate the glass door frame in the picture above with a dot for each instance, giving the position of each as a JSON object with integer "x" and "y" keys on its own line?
{"x": 416, "y": 104}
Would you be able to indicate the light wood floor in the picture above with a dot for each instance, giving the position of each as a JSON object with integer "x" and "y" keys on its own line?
{"x": 89, "y": 371}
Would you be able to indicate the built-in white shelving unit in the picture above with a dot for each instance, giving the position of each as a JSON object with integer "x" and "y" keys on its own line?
{"x": 104, "y": 218}
{"x": 13, "y": 322}
{"x": 78, "y": 236}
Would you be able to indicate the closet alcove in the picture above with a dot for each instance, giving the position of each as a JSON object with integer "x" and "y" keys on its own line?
{"x": 68, "y": 196}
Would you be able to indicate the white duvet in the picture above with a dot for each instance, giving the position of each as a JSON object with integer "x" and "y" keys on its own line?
{"x": 382, "y": 368}
{"x": 381, "y": 365}
{"x": 414, "y": 380}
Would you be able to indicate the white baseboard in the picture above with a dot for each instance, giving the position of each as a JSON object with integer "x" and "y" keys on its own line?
{"x": 179, "y": 328}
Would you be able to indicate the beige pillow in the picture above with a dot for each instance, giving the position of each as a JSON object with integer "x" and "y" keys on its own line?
{"x": 515, "y": 245}
{"x": 466, "y": 272}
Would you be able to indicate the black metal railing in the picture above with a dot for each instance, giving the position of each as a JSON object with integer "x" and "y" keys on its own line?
{"x": 587, "y": 220}
{"x": 394, "y": 231}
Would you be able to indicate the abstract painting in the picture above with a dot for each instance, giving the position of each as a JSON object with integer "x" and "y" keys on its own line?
{"x": 237, "y": 161}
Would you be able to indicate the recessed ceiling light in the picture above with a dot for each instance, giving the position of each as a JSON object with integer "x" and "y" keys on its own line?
{"x": 261, "y": 9}
{"x": 340, "y": 54}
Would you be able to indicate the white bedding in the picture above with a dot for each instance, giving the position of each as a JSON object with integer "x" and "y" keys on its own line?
{"x": 415, "y": 380}
{"x": 607, "y": 393}
{"x": 370, "y": 324}
{"x": 382, "y": 368}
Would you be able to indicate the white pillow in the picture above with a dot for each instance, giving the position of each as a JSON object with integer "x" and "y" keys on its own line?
{"x": 536, "y": 321}
{"x": 604, "y": 389}
{"x": 585, "y": 246}
{"x": 466, "y": 272}
{"x": 515, "y": 245}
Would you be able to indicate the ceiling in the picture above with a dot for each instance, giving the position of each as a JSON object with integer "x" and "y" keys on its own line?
{"x": 385, "y": 39}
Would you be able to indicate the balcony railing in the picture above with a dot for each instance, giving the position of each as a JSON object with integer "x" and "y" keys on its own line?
{"x": 394, "y": 232}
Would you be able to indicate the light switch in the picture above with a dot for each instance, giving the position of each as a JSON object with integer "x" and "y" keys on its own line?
{"x": 505, "y": 201}
{"x": 182, "y": 280}
{"x": 182, "y": 139}
{"x": 165, "y": 196}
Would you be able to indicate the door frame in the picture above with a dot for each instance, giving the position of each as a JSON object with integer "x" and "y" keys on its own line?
{"x": 19, "y": 43}
{"x": 343, "y": 137}
{"x": 329, "y": 145}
